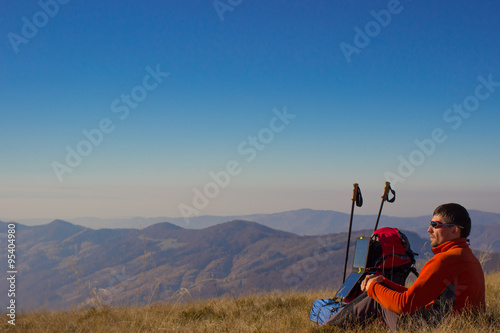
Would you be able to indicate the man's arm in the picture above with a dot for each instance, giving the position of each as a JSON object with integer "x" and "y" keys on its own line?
{"x": 369, "y": 279}
{"x": 429, "y": 285}
{"x": 394, "y": 285}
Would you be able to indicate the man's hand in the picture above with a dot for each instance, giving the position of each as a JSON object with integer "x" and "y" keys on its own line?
{"x": 369, "y": 279}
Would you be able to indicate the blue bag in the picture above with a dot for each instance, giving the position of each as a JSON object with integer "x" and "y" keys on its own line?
{"x": 324, "y": 309}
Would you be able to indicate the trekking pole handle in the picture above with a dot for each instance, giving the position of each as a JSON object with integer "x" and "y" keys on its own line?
{"x": 387, "y": 187}
{"x": 355, "y": 191}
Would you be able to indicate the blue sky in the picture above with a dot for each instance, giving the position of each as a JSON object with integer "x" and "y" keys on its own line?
{"x": 356, "y": 117}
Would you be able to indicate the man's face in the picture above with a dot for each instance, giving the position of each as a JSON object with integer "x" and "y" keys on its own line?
{"x": 442, "y": 234}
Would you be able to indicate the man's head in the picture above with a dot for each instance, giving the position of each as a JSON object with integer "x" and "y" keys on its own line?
{"x": 453, "y": 222}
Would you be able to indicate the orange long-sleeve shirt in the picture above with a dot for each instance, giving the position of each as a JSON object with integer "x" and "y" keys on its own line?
{"x": 453, "y": 274}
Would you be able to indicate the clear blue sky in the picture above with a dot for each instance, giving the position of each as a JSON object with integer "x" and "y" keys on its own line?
{"x": 357, "y": 113}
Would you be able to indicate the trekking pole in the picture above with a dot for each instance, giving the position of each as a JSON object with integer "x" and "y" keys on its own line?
{"x": 358, "y": 200}
{"x": 385, "y": 197}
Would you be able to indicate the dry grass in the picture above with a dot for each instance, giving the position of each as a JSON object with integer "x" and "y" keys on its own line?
{"x": 271, "y": 312}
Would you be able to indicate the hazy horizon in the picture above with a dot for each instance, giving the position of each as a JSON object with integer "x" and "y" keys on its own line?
{"x": 45, "y": 220}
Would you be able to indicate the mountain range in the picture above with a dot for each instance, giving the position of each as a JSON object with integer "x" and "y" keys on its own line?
{"x": 62, "y": 265}
{"x": 486, "y": 226}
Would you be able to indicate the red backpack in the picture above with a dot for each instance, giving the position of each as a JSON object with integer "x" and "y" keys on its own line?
{"x": 390, "y": 253}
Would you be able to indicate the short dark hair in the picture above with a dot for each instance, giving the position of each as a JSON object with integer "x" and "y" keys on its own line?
{"x": 455, "y": 214}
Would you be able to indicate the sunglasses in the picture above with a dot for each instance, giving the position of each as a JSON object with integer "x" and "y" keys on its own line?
{"x": 437, "y": 225}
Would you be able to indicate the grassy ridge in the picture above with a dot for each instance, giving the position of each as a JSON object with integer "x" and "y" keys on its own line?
{"x": 270, "y": 312}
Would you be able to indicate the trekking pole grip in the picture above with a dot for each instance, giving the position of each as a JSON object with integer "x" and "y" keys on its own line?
{"x": 355, "y": 191}
{"x": 387, "y": 187}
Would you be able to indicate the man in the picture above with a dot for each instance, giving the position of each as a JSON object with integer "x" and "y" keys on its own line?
{"x": 452, "y": 280}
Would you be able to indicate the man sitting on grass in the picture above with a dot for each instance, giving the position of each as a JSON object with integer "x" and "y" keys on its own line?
{"x": 452, "y": 279}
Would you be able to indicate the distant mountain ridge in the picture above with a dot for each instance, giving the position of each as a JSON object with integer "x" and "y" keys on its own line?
{"x": 281, "y": 220}
{"x": 486, "y": 226}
